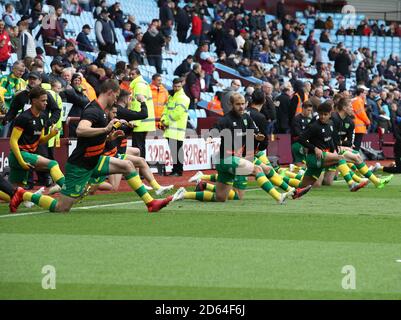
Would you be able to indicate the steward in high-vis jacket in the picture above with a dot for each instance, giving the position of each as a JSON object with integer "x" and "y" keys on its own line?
{"x": 141, "y": 127}
{"x": 174, "y": 120}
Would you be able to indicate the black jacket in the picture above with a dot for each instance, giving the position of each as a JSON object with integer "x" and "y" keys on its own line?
{"x": 342, "y": 63}
{"x": 182, "y": 69}
{"x": 283, "y": 112}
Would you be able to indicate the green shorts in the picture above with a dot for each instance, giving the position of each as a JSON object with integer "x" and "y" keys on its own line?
{"x": 17, "y": 173}
{"x": 76, "y": 178}
{"x": 226, "y": 169}
{"x": 298, "y": 152}
{"x": 240, "y": 182}
{"x": 314, "y": 166}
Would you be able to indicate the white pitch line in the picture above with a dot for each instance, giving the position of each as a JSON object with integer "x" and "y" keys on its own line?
{"x": 73, "y": 209}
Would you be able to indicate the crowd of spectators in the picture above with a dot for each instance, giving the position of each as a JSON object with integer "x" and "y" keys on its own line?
{"x": 279, "y": 53}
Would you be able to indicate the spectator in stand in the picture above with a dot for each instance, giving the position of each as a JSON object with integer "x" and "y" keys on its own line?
{"x": 325, "y": 37}
{"x": 85, "y": 5}
{"x": 36, "y": 15}
{"x": 71, "y": 7}
{"x": 361, "y": 119}
{"x": 92, "y": 77}
{"x": 341, "y": 31}
{"x": 183, "y": 22}
{"x": 84, "y": 43}
{"x": 280, "y": 10}
{"x": 74, "y": 94}
{"x": 5, "y": 47}
{"x": 310, "y": 41}
{"x": 54, "y": 32}
{"x": 166, "y": 17}
{"x": 137, "y": 55}
{"x": 225, "y": 98}
{"x": 192, "y": 85}
{"x": 127, "y": 33}
{"x": 138, "y": 38}
{"x": 362, "y": 74}
{"x": 98, "y": 9}
{"x": 206, "y": 60}
{"x": 283, "y": 110}
{"x": 373, "y": 109}
{"x": 159, "y": 95}
{"x": 153, "y": 42}
{"x": 240, "y": 39}
{"x": 269, "y": 108}
{"x": 329, "y": 25}
{"x": 117, "y": 15}
{"x": 185, "y": 67}
{"x": 27, "y": 47}
{"x": 217, "y": 36}
{"x": 57, "y": 67}
{"x": 134, "y": 26}
{"x": 319, "y": 23}
{"x": 12, "y": 83}
{"x": 71, "y": 59}
{"x": 343, "y": 62}
{"x": 310, "y": 12}
{"x": 105, "y": 35}
{"x": 9, "y": 17}
{"x": 196, "y": 30}
{"x": 244, "y": 69}
{"x": 229, "y": 43}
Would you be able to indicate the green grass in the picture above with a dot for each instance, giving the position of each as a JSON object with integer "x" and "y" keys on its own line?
{"x": 250, "y": 249}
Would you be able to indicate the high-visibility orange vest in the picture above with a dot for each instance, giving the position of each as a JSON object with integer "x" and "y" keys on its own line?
{"x": 160, "y": 98}
{"x": 125, "y": 86}
{"x": 300, "y": 102}
{"x": 361, "y": 119}
{"x": 89, "y": 91}
{"x": 215, "y": 106}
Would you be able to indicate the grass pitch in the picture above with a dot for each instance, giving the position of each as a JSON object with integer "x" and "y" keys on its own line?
{"x": 109, "y": 247}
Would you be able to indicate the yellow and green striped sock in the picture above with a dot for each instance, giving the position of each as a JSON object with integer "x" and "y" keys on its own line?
{"x": 204, "y": 196}
{"x": 134, "y": 181}
{"x": 263, "y": 158}
{"x": 355, "y": 177}
{"x": 292, "y": 182}
{"x": 210, "y": 187}
{"x": 345, "y": 172}
{"x": 232, "y": 195}
{"x": 43, "y": 201}
{"x": 4, "y": 196}
{"x": 364, "y": 170}
{"x": 266, "y": 185}
{"x": 55, "y": 173}
{"x": 154, "y": 184}
{"x": 209, "y": 177}
{"x": 278, "y": 180}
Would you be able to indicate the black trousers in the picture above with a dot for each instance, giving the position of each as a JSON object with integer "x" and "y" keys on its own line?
{"x": 182, "y": 34}
{"x": 177, "y": 153}
{"x": 397, "y": 155}
{"x": 157, "y": 62}
{"x": 358, "y": 140}
{"x": 6, "y": 187}
{"x": 109, "y": 48}
{"x": 138, "y": 141}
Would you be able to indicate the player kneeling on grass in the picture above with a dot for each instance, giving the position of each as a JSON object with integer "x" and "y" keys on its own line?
{"x": 114, "y": 144}
{"x": 85, "y": 161}
{"x": 237, "y": 132}
{"x": 319, "y": 141}
{"x": 27, "y": 134}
